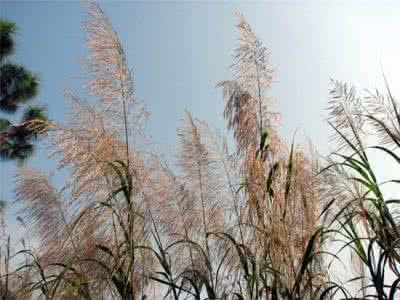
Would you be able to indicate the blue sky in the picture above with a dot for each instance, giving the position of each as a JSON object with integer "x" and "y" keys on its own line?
{"x": 180, "y": 50}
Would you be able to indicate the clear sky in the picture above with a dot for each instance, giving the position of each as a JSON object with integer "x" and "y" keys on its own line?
{"x": 180, "y": 50}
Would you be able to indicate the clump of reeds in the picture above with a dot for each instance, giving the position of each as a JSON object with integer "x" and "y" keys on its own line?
{"x": 249, "y": 223}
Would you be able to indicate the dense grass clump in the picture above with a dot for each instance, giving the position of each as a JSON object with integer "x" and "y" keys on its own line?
{"x": 254, "y": 222}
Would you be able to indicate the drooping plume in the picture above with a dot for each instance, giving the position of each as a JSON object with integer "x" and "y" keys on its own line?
{"x": 111, "y": 79}
{"x": 246, "y": 106}
{"x": 345, "y": 114}
{"x": 199, "y": 172}
{"x": 43, "y": 206}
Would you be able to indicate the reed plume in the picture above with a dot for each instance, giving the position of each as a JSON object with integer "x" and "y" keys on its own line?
{"x": 282, "y": 200}
{"x": 43, "y": 205}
